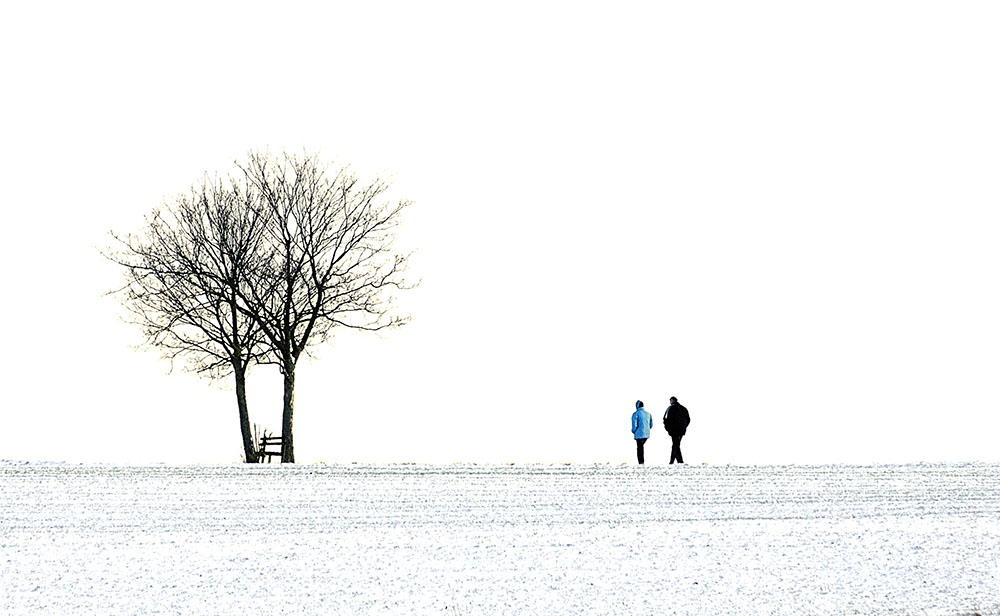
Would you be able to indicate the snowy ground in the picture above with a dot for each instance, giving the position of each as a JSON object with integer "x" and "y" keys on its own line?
{"x": 499, "y": 540}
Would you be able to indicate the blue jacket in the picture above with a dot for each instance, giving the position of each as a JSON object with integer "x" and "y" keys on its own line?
{"x": 641, "y": 423}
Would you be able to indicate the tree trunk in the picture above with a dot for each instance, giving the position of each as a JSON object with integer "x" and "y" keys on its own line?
{"x": 249, "y": 447}
{"x": 287, "y": 449}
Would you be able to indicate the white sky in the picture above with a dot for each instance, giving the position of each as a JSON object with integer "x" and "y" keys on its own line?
{"x": 783, "y": 213}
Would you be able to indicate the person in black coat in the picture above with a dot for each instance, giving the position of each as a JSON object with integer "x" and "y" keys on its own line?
{"x": 675, "y": 422}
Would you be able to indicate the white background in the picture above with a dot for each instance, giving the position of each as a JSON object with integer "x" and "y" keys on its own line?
{"x": 782, "y": 213}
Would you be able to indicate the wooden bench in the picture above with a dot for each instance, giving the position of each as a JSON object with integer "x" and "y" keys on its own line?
{"x": 270, "y": 446}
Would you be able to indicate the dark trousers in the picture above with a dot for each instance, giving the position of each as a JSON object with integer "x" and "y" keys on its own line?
{"x": 675, "y": 450}
{"x": 639, "y": 442}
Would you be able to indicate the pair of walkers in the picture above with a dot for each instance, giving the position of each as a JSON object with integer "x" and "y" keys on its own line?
{"x": 675, "y": 422}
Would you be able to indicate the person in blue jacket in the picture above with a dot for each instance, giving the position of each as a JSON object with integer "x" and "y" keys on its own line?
{"x": 642, "y": 422}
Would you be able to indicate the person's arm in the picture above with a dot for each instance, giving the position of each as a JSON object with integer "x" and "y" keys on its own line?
{"x": 633, "y": 423}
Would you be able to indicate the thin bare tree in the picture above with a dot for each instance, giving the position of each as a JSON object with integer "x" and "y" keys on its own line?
{"x": 184, "y": 271}
{"x": 326, "y": 261}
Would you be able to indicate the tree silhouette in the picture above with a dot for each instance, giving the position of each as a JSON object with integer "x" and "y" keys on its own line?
{"x": 325, "y": 261}
{"x": 262, "y": 266}
{"x": 183, "y": 274}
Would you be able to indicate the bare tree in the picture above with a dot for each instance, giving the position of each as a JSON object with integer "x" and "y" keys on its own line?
{"x": 262, "y": 266}
{"x": 184, "y": 272}
{"x": 326, "y": 261}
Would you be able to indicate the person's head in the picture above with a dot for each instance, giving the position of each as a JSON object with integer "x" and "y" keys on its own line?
{"x": 638, "y": 404}
{"x": 673, "y": 400}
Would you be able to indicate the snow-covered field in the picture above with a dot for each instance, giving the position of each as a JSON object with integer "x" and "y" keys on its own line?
{"x": 465, "y": 540}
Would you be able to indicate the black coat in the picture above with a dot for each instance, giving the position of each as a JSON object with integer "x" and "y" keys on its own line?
{"x": 676, "y": 420}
